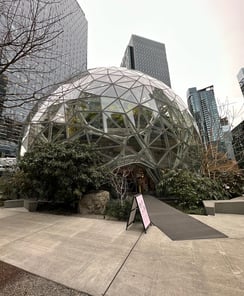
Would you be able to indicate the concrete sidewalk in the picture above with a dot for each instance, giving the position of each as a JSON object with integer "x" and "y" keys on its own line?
{"x": 100, "y": 257}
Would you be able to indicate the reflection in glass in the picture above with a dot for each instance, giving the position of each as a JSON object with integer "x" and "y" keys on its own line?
{"x": 131, "y": 117}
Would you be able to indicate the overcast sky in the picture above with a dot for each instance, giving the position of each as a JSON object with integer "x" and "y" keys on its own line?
{"x": 204, "y": 40}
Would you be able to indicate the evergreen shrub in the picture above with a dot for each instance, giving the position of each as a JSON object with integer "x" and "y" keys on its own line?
{"x": 189, "y": 189}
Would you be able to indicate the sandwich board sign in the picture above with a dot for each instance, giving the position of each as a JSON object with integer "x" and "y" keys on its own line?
{"x": 139, "y": 204}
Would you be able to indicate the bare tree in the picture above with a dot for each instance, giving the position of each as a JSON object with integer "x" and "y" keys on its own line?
{"x": 28, "y": 31}
{"x": 233, "y": 111}
{"x": 238, "y": 143}
{"x": 29, "y": 55}
{"x": 218, "y": 155}
{"x": 119, "y": 181}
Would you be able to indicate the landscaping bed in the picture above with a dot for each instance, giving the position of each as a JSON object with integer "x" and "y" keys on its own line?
{"x": 17, "y": 282}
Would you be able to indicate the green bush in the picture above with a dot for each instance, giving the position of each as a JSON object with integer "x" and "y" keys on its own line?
{"x": 59, "y": 172}
{"x": 15, "y": 185}
{"x": 233, "y": 181}
{"x": 189, "y": 188}
{"x": 118, "y": 210}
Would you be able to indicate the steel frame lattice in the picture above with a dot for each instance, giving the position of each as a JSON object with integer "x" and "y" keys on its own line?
{"x": 131, "y": 117}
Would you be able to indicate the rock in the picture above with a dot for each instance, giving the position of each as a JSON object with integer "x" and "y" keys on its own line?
{"x": 94, "y": 203}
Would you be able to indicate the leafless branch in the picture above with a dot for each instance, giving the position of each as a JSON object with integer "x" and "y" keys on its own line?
{"x": 27, "y": 37}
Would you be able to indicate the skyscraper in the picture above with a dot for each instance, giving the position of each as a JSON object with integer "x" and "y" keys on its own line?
{"x": 238, "y": 131}
{"x": 63, "y": 56}
{"x": 203, "y": 107}
{"x": 147, "y": 56}
{"x": 240, "y": 77}
{"x": 238, "y": 143}
{"x": 227, "y": 137}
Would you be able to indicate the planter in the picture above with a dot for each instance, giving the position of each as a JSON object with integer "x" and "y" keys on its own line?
{"x": 30, "y": 205}
{"x": 13, "y": 203}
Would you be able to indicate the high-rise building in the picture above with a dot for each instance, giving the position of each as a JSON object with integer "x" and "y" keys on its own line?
{"x": 147, "y": 56}
{"x": 240, "y": 77}
{"x": 238, "y": 143}
{"x": 238, "y": 131}
{"x": 203, "y": 107}
{"x": 227, "y": 137}
{"x": 3, "y": 86}
{"x": 64, "y": 56}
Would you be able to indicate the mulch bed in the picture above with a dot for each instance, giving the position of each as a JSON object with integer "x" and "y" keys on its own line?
{"x": 17, "y": 282}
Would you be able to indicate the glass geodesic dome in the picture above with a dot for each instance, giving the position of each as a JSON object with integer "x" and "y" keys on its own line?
{"x": 131, "y": 117}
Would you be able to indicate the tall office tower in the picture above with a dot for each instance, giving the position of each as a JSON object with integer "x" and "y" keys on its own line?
{"x": 34, "y": 75}
{"x": 238, "y": 131}
{"x": 238, "y": 143}
{"x": 240, "y": 77}
{"x": 203, "y": 107}
{"x": 227, "y": 137}
{"x": 147, "y": 56}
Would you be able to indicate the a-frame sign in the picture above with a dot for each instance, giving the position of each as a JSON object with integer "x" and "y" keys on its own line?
{"x": 139, "y": 204}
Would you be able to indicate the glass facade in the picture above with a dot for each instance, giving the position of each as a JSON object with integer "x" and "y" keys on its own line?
{"x": 202, "y": 105}
{"x": 240, "y": 77}
{"x": 238, "y": 143}
{"x": 131, "y": 117}
{"x": 61, "y": 58}
{"x": 147, "y": 56}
